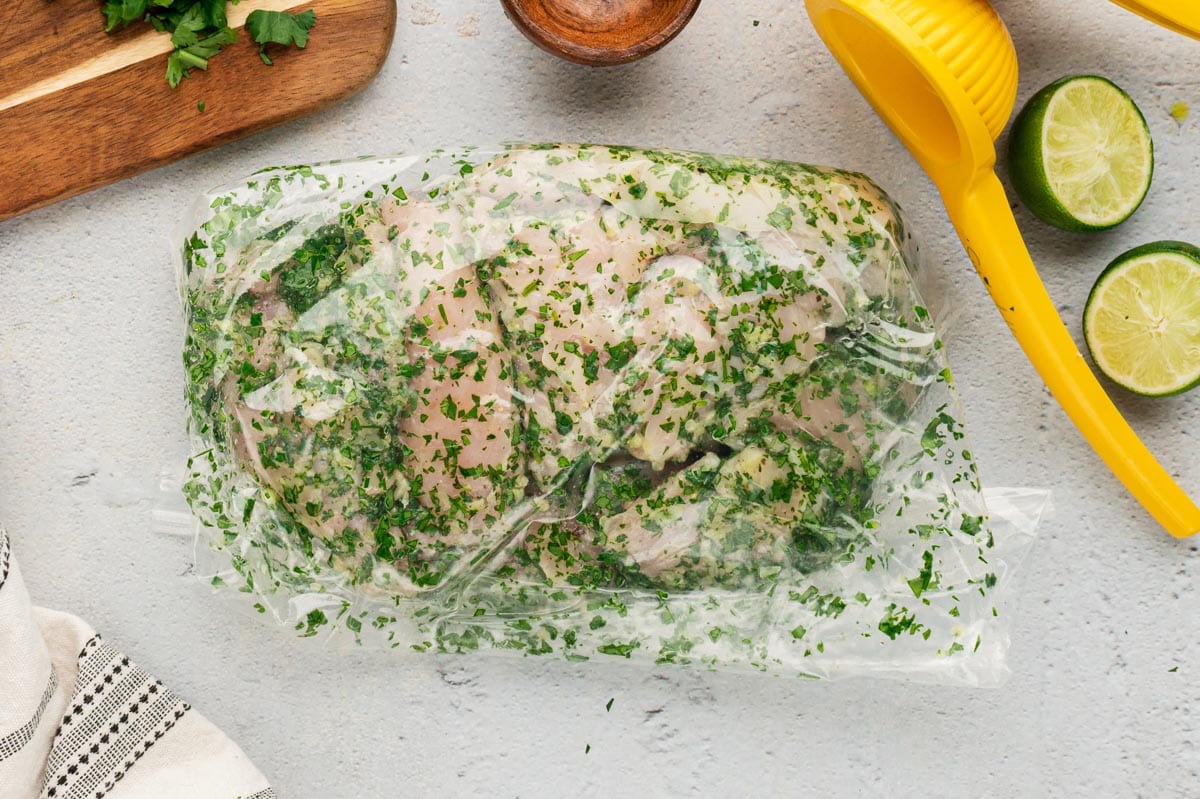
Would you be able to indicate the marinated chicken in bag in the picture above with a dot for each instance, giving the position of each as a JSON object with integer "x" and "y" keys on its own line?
{"x": 589, "y": 399}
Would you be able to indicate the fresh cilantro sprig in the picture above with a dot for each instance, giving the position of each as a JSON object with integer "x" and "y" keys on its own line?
{"x": 200, "y": 28}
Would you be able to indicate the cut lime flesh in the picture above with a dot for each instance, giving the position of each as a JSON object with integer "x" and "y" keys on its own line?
{"x": 1142, "y": 319}
{"x": 1081, "y": 156}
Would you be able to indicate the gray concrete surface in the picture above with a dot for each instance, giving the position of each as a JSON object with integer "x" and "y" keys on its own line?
{"x": 1103, "y": 700}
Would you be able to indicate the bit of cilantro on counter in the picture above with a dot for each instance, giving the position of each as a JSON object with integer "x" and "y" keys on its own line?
{"x": 200, "y": 29}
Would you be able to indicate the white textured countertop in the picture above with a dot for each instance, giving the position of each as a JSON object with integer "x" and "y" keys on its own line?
{"x": 91, "y": 411}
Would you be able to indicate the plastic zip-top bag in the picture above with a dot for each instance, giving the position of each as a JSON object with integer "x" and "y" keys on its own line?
{"x": 594, "y": 401}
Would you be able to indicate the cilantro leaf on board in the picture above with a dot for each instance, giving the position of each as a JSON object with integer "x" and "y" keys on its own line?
{"x": 122, "y": 12}
{"x": 279, "y": 27}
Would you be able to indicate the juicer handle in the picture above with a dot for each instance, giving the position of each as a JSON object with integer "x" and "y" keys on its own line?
{"x": 989, "y": 233}
{"x": 1181, "y": 16}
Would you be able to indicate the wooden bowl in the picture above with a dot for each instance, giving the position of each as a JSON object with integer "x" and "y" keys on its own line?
{"x": 600, "y": 32}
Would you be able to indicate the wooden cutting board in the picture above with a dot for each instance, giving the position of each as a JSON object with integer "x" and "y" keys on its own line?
{"x": 80, "y": 108}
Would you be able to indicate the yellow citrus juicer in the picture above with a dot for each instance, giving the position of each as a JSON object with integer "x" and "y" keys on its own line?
{"x": 943, "y": 75}
{"x": 1181, "y": 16}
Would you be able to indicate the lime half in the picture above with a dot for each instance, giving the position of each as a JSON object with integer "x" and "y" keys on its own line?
{"x": 1080, "y": 154}
{"x": 1142, "y": 319}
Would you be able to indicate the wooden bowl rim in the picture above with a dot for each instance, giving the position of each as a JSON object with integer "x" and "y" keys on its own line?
{"x": 574, "y": 51}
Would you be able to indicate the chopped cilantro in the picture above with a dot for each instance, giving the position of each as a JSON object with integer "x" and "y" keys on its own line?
{"x": 781, "y": 217}
{"x": 200, "y": 29}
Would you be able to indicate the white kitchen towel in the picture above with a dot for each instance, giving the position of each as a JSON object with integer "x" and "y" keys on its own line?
{"x": 78, "y": 720}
